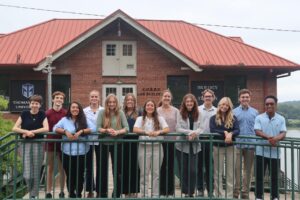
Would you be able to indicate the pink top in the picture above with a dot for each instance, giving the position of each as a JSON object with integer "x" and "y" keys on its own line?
{"x": 170, "y": 115}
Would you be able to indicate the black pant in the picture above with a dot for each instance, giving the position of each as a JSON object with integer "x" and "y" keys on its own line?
{"x": 204, "y": 162}
{"x": 273, "y": 165}
{"x": 74, "y": 168}
{"x": 102, "y": 170}
{"x": 187, "y": 171}
{"x": 90, "y": 183}
{"x": 167, "y": 170}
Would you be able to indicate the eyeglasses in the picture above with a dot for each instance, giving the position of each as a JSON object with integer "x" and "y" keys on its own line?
{"x": 269, "y": 104}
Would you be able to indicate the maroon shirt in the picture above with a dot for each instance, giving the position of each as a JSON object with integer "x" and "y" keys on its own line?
{"x": 53, "y": 117}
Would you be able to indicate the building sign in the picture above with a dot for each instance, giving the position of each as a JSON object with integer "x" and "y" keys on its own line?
{"x": 150, "y": 91}
{"x": 21, "y": 91}
{"x": 199, "y": 86}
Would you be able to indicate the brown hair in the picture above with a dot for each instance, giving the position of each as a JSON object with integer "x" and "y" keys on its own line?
{"x": 37, "y": 98}
{"x": 244, "y": 91}
{"x": 229, "y": 119}
{"x": 209, "y": 91}
{"x": 161, "y": 96}
{"x": 154, "y": 115}
{"x": 107, "y": 116}
{"x": 135, "y": 113}
{"x": 183, "y": 109}
{"x": 56, "y": 93}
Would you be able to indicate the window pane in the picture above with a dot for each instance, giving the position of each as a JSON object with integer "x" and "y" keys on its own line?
{"x": 126, "y": 91}
{"x": 111, "y": 91}
{"x": 127, "y": 50}
{"x": 110, "y": 49}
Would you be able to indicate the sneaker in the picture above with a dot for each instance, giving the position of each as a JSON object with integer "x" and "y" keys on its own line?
{"x": 61, "y": 195}
{"x": 90, "y": 195}
{"x": 48, "y": 196}
{"x": 32, "y": 197}
{"x": 200, "y": 193}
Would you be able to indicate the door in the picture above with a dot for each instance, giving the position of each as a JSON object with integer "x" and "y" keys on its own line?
{"x": 119, "y": 90}
{"x": 179, "y": 86}
{"x": 62, "y": 83}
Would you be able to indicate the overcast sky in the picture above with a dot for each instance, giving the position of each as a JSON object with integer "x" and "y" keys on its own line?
{"x": 275, "y": 14}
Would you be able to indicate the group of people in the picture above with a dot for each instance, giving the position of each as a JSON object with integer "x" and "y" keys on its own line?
{"x": 154, "y": 152}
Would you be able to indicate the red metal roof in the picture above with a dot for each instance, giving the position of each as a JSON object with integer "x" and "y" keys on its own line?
{"x": 31, "y": 45}
{"x": 208, "y": 48}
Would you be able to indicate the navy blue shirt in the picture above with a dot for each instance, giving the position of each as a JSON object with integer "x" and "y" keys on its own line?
{"x": 32, "y": 122}
{"x": 219, "y": 129}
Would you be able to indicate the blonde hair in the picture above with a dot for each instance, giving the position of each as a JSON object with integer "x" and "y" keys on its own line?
{"x": 228, "y": 117}
{"x": 125, "y": 108}
{"x": 107, "y": 112}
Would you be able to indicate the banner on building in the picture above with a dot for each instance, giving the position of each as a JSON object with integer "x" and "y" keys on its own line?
{"x": 21, "y": 91}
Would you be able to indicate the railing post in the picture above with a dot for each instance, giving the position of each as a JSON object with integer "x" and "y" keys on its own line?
{"x": 210, "y": 192}
{"x": 292, "y": 160}
{"x": 15, "y": 166}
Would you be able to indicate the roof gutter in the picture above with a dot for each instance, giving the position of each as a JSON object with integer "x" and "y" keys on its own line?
{"x": 284, "y": 75}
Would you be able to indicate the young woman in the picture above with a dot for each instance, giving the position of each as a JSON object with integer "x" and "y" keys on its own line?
{"x": 170, "y": 114}
{"x": 188, "y": 123}
{"x": 91, "y": 112}
{"x": 29, "y": 125}
{"x": 225, "y": 124}
{"x": 130, "y": 172}
{"x": 150, "y": 154}
{"x": 74, "y": 127}
{"x": 112, "y": 123}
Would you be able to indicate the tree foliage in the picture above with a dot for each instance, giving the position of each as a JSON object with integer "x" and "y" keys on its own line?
{"x": 291, "y": 109}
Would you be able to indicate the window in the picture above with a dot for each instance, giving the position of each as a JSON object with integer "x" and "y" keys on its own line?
{"x": 110, "y": 49}
{"x": 119, "y": 90}
{"x": 126, "y": 90}
{"x": 111, "y": 90}
{"x": 127, "y": 50}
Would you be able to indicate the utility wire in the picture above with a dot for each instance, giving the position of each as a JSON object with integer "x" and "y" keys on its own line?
{"x": 48, "y": 10}
{"x": 197, "y": 24}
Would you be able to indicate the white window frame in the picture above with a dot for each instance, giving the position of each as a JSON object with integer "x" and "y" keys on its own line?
{"x": 119, "y": 88}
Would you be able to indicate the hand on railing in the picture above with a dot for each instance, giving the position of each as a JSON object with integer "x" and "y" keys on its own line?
{"x": 29, "y": 134}
{"x": 228, "y": 137}
{"x": 192, "y": 136}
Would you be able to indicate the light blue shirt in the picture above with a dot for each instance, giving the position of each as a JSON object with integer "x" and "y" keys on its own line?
{"x": 246, "y": 119}
{"x": 92, "y": 117}
{"x": 73, "y": 148}
{"x": 271, "y": 127}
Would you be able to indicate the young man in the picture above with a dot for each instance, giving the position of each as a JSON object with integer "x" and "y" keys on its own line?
{"x": 272, "y": 128}
{"x": 245, "y": 115}
{"x": 206, "y": 111}
{"x": 91, "y": 113}
{"x": 53, "y": 149}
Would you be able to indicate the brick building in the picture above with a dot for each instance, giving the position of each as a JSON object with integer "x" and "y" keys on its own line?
{"x": 120, "y": 54}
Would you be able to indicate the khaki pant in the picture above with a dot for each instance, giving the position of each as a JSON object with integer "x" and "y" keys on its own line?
{"x": 54, "y": 158}
{"x": 150, "y": 160}
{"x": 221, "y": 155}
{"x": 243, "y": 171}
